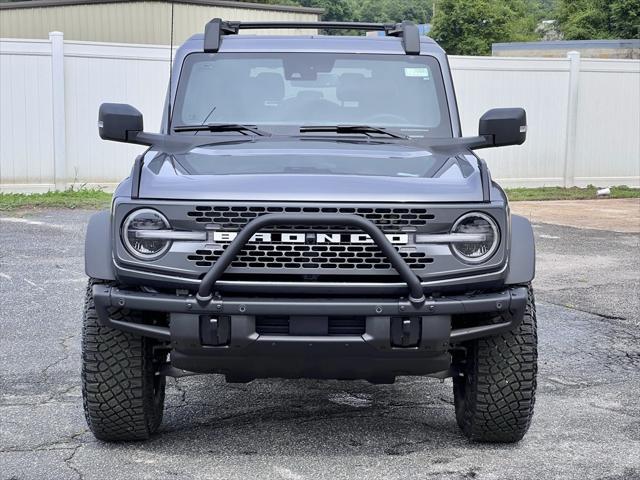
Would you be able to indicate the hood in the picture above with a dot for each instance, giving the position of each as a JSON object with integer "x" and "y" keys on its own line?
{"x": 317, "y": 170}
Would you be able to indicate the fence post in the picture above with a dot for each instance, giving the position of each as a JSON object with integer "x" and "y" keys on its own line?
{"x": 59, "y": 130}
{"x": 572, "y": 119}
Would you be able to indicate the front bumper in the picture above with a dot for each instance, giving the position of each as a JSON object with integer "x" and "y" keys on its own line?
{"x": 246, "y": 354}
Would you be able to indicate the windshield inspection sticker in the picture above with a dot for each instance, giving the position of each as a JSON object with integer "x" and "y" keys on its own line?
{"x": 416, "y": 72}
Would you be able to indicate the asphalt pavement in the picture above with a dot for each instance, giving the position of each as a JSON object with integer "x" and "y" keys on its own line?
{"x": 587, "y": 414}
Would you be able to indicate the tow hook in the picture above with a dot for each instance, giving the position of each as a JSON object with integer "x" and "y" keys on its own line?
{"x": 405, "y": 331}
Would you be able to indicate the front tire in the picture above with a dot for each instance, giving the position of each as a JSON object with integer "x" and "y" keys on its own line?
{"x": 495, "y": 395}
{"x": 123, "y": 396}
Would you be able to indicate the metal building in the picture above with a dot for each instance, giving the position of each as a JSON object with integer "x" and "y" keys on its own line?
{"x": 137, "y": 21}
{"x": 620, "y": 49}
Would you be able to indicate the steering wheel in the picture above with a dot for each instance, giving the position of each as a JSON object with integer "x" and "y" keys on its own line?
{"x": 387, "y": 117}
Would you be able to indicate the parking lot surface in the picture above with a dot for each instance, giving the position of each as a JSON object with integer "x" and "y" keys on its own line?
{"x": 586, "y": 423}
{"x": 612, "y": 214}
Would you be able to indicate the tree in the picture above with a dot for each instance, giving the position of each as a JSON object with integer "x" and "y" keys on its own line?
{"x": 595, "y": 19}
{"x": 383, "y": 11}
{"x": 469, "y": 27}
{"x": 625, "y": 18}
{"x": 524, "y": 19}
{"x": 390, "y": 11}
{"x": 334, "y": 10}
{"x": 582, "y": 19}
{"x": 545, "y": 8}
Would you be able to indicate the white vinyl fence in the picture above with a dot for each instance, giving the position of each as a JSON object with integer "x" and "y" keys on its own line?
{"x": 583, "y": 114}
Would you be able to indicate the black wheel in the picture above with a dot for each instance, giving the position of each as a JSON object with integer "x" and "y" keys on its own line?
{"x": 123, "y": 396}
{"x": 495, "y": 396}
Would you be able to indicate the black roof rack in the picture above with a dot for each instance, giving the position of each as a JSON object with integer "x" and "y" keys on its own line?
{"x": 408, "y": 31}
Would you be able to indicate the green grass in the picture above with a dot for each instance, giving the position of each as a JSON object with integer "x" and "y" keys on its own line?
{"x": 95, "y": 199}
{"x": 573, "y": 193}
{"x": 72, "y": 198}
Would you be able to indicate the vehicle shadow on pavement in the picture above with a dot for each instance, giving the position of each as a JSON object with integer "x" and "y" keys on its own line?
{"x": 310, "y": 417}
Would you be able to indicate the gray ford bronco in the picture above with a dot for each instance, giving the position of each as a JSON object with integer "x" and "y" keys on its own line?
{"x": 310, "y": 209}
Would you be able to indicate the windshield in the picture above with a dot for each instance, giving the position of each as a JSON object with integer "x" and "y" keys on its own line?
{"x": 399, "y": 92}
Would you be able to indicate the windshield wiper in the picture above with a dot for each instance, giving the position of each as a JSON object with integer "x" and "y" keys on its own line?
{"x": 221, "y": 127}
{"x": 364, "y": 129}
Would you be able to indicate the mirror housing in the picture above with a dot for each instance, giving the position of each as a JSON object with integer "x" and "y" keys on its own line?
{"x": 119, "y": 122}
{"x": 503, "y": 126}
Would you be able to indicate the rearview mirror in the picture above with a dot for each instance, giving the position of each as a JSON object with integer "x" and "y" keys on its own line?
{"x": 119, "y": 122}
{"x": 504, "y": 126}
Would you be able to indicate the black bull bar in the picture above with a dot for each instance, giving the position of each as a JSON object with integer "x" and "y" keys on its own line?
{"x": 205, "y": 292}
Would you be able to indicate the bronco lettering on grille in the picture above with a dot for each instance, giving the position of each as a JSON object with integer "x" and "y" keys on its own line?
{"x": 311, "y": 238}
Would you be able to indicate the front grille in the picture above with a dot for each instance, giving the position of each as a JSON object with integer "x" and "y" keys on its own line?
{"x": 276, "y": 256}
{"x": 309, "y": 254}
{"x": 343, "y": 256}
{"x": 337, "y": 325}
{"x": 236, "y": 216}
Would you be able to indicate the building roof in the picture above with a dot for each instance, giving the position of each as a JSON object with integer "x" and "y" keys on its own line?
{"x": 564, "y": 44}
{"x": 212, "y": 3}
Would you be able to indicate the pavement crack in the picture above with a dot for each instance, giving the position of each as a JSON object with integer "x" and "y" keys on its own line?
{"x": 608, "y": 317}
{"x": 68, "y": 461}
{"x": 48, "y": 401}
{"x": 63, "y": 444}
{"x": 270, "y": 414}
{"x": 619, "y": 410}
{"x": 66, "y": 351}
{"x": 405, "y": 448}
{"x": 462, "y": 474}
{"x": 53, "y": 398}
{"x": 576, "y": 309}
{"x": 37, "y": 449}
{"x": 182, "y": 392}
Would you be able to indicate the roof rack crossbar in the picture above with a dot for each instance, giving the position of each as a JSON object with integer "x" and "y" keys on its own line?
{"x": 408, "y": 31}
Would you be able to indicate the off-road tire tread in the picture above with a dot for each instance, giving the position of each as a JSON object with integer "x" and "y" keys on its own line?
{"x": 117, "y": 380}
{"x": 498, "y": 390}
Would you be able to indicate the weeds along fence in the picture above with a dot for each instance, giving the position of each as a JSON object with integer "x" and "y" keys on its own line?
{"x": 583, "y": 114}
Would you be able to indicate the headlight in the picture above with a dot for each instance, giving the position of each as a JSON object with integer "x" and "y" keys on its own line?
{"x": 479, "y": 224}
{"x": 144, "y": 220}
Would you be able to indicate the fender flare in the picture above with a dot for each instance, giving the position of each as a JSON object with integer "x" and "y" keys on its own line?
{"x": 98, "y": 260}
{"x": 522, "y": 255}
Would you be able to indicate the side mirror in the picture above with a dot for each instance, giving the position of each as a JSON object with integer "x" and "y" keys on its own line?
{"x": 119, "y": 122}
{"x": 504, "y": 126}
